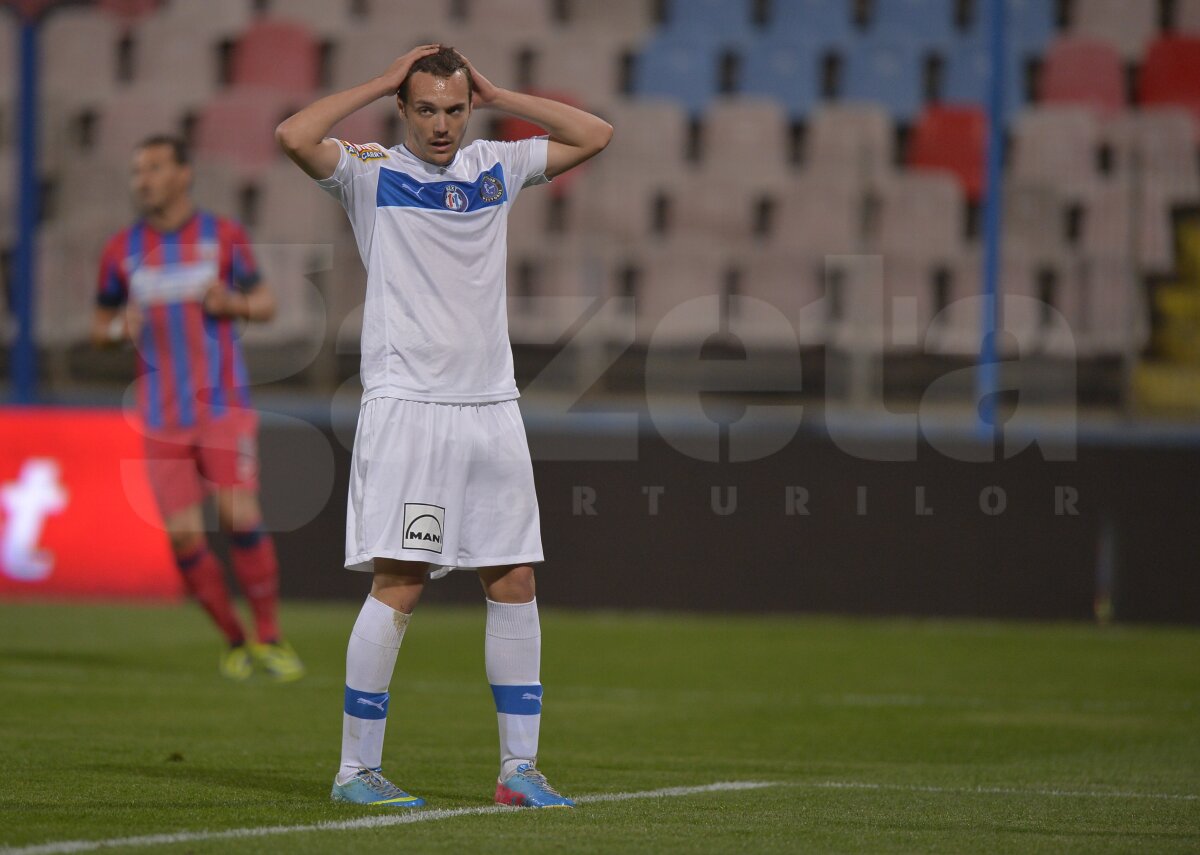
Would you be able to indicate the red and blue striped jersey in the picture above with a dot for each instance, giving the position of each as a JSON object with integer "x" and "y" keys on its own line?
{"x": 190, "y": 364}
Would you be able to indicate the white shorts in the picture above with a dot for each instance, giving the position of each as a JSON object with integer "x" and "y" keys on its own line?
{"x": 448, "y": 484}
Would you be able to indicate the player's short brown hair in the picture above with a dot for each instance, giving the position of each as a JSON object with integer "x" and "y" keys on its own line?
{"x": 441, "y": 64}
{"x": 179, "y": 148}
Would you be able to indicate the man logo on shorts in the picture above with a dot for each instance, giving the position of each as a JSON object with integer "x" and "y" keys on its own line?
{"x": 423, "y": 526}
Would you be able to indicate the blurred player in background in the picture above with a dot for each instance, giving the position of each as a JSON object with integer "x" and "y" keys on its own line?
{"x": 441, "y": 475}
{"x": 174, "y": 283}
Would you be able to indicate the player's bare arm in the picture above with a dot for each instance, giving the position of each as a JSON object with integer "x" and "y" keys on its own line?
{"x": 304, "y": 136}
{"x": 256, "y": 305}
{"x": 112, "y": 327}
{"x": 575, "y": 135}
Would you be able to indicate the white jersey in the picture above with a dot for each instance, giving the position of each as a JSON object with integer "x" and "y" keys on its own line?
{"x": 434, "y": 242}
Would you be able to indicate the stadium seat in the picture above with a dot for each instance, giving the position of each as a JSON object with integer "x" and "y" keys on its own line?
{"x": 852, "y": 142}
{"x": 788, "y": 71}
{"x": 8, "y": 83}
{"x": 130, "y": 11}
{"x": 824, "y": 23}
{"x": 721, "y": 207}
{"x": 550, "y": 287}
{"x": 1158, "y": 145}
{"x": 574, "y": 63}
{"x": 292, "y": 209}
{"x": 888, "y": 72}
{"x": 922, "y": 216}
{"x": 1187, "y": 17}
{"x": 78, "y": 53}
{"x": 524, "y": 20}
{"x": 277, "y": 54}
{"x": 967, "y": 76}
{"x": 207, "y": 22}
{"x": 1127, "y": 26}
{"x": 792, "y": 282}
{"x": 651, "y": 143}
{"x": 1057, "y": 146}
{"x": 325, "y": 18}
{"x": 67, "y": 261}
{"x": 701, "y": 19}
{"x": 167, "y": 54}
{"x": 1170, "y": 73}
{"x": 1030, "y": 26}
{"x": 1083, "y": 71}
{"x": 239, "y": 127}
{"x": 134, "y": 114}
{"x": 952, "y": 139}
{"x": 927, "y": 24}
{"x": 623, "y": 21}
{"x": 217, "y": 187}
{"x": 300, "y": 317}
{"x": 672, "y": 274}
{"x": 747, "y": 137}
{"x": 1035, "y": 218}
{"x": 1115, "y": 315}
{"x": 680, "y": 69}
{"x": 818, "y": 215}
{"x": 367, "y": 125}
{"x": 419, "y": 18}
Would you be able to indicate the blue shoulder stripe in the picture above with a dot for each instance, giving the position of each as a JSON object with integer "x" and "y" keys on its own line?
{"x": 399, "y": 190}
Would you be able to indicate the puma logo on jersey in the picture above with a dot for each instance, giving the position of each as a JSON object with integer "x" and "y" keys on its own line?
{"x": 377, "y": 704}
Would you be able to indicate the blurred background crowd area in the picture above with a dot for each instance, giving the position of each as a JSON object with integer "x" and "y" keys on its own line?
{"x": 763, "y": 148}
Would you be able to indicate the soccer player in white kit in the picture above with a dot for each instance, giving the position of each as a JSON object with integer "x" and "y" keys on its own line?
{"x": 441, "y": 475}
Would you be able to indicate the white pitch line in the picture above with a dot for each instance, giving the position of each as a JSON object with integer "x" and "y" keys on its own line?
{"x": 406, "y": 818}
{"x": 997, "y": 791}
{"x": 665, "y": 792}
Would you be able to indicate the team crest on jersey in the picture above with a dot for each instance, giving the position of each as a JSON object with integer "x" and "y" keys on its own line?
{"x": 454, "y": 199}
{"x": 490, "y": 188}
{"x": 366, "y": 151}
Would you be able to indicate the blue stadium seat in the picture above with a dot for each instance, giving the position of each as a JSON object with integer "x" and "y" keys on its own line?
{"x": 968, "y": 70}
{"x": 788, "y": 71}
{"x": 683, "y": 71}
{"x": 724, "y": 21}
{"x": 885, "y": 71}
{"x": 825, "y": 22}
{"x": 1030, "y": 23}
{"x": 927, "y": 23}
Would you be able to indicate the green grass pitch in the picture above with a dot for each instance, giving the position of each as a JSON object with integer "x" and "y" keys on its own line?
{"x": 879, "y": 735}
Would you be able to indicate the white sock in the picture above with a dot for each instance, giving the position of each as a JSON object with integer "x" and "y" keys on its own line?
{"x": 512, "y": 653}
{"x": 370, "y": 659}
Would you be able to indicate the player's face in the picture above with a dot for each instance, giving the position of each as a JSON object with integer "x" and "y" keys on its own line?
{"x": 435, "y": 116}
{"x": 157, "y": 180}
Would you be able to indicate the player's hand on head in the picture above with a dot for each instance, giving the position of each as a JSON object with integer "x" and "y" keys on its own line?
{"x": 483, "y": 91}
{"x": 398, "y": 70}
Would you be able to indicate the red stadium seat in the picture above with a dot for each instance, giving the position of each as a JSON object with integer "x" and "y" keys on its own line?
{"x": 1081, "y": 71}
{"x": 239, "y": 128}
{"x": 952, "y": 139}
{"x": 130, "y": 10}
{"x": 277, "y": 55}
{"x": 1171, "y": 73}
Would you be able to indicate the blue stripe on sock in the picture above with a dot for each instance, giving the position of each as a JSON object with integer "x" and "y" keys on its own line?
{"x": 518, "y": 700}
{"x": 246, "y": 539}
{"x": 366, "y": 704}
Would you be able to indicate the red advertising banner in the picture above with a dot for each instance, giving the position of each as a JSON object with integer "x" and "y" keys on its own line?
{"x": 77, "y": 518}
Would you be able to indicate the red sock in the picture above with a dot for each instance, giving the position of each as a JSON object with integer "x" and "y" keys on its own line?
{"x": 257, "y": 572}
{"x": 205, "y": 579}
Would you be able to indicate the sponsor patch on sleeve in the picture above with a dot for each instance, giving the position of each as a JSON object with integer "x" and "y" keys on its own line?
{"x": 366, "y": 151}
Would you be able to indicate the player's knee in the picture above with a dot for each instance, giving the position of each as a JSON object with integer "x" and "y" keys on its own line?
{"x": 186, "y": 543}
{"x": 510, "y": 585}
